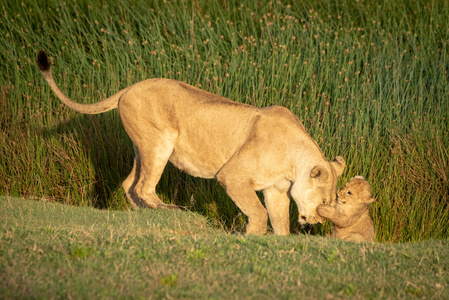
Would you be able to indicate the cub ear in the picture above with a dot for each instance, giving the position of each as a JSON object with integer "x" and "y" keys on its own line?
{"x": 320, "y": 173}
{"x": 338, "y": 164}
{"x": 368, "y": 201}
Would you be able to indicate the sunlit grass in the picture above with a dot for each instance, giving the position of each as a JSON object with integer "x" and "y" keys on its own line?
{"x": 51, "y": 250}
{"x": 369, "y": 81}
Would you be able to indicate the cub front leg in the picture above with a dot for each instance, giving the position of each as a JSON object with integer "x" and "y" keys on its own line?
{"x": 326, "y": 211}
{"x": 333, "y": 215}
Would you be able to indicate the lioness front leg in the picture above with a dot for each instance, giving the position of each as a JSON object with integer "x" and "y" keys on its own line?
{"x": 244, "y": 196}
{"x": 278, "y": 205}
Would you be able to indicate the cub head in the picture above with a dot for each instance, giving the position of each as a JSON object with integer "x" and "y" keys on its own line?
{"x": 354, "y": 197}
{"x": 314, "y": 187}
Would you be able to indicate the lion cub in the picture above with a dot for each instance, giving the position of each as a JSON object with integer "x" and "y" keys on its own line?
{"x": 350, "y": 215}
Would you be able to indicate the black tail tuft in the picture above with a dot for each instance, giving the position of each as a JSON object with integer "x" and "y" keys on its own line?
{"x": 42, "y": 61}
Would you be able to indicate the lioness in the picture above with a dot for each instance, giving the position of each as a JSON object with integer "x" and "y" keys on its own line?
{"x": 245, "y": 148}
{"x": 350, "y": 215}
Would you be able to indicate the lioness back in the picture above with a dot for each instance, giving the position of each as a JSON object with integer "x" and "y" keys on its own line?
{"x": 204, "y": 125}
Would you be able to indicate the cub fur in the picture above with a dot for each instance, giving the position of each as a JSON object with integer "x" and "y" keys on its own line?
{"x": 350, "y": 215}
{"x": 245, "y": 148}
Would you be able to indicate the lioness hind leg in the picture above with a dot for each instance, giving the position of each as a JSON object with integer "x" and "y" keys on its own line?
{"x": 128, "y": 186}
{"x": 152, "y": 151}
{"x": 152, "y": 164}
{"x": 278, "y": 205}
{"x": 131, "y": 181}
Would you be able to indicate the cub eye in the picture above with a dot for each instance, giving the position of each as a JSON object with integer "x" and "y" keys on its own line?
{"x": 349, "y": 193}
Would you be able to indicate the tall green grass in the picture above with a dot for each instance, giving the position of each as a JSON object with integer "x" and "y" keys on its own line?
{"x": 367, "y": 78}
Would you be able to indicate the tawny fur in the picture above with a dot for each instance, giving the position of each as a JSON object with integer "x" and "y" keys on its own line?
{"x": 245, "y": 148}
{"x": 350, "y": 214}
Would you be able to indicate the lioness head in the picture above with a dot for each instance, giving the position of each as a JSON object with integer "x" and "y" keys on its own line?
{"x": 354, "y": 197}
{"x": 315, "y": 187}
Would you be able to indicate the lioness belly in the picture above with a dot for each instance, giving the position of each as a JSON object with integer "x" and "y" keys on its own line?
{"x": 194, "y": 165}
{"x": 205, "y": 143}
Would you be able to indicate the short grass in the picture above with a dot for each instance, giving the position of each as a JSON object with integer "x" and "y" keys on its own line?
{"x": 50, "y": 250}
{"x": 367, "y": 78}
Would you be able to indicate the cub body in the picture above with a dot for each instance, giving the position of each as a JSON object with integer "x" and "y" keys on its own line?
{"x": 350, "y": 214}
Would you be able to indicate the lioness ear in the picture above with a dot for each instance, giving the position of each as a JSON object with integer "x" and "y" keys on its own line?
{"x": 338, "y": 164}
{"x": 320, "y": 173}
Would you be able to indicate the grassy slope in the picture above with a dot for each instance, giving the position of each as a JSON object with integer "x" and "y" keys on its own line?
{"x": 50, "y": 250}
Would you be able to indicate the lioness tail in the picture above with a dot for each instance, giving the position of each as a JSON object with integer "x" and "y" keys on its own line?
{"x": 107, "y": 104}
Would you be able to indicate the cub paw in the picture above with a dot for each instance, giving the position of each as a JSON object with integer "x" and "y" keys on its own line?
{"x": 324, "y": 210}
